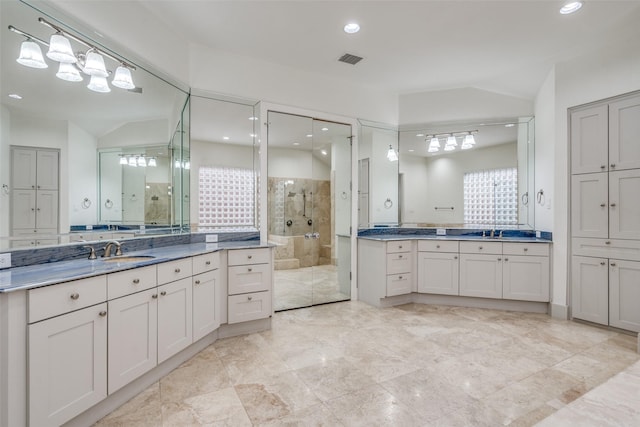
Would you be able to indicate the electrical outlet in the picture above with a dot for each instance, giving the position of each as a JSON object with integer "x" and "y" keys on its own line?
{"x": 538, "y": 234}
{"x": 441, "y": 231}
{"x": 89, "y": 227}
{"x": 5, "y": 260}
{"x": 211, "y": 238}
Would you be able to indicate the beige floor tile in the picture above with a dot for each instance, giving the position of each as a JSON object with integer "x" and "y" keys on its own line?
{"x": 334, "y": 378}
{"x": 220, "y": 408}
{"x": 144, "y": 410}
{"x": 314, "y": 416}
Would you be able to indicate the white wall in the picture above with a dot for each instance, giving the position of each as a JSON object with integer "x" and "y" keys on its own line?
{"x": 148, "y": 132}
{"x": 5, "y": 168}
{"x": 544, "y": 168}
{"x": 83, "y": 176}
{"x": 289, "y": 163}
{"x": 415, "y": 192}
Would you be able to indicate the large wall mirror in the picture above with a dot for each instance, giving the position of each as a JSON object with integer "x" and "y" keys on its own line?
{"x": 67, "y": 142}
{"x": 468, "y": 174}
{"x": 224, "y": 164}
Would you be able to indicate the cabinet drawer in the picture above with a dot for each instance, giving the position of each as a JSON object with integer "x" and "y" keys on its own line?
{"x": 537, "y": 249}
{"x": 130, "y": 281}
{"x": 481, "y": 247}
{"x": 249, "y": 278}
{"x": 437, "y": 246}
{"x": 174, "y": 270}
{"x": 65, "y": 297}
{"x": 607, "y": 248}
{"x": 206, "y": 262}
{"x": 399, "y": 263}
{"x": 398, "y": 284}
{"x": 249, "y": 256}
{"x": 399, "y": 246}
{"x": 246, "y": 307}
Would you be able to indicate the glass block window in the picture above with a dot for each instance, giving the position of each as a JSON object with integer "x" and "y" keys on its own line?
{"x": 491, "y": 197}
{"x": 226, "y": 197}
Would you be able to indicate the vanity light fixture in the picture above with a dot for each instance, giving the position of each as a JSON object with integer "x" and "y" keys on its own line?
{"x": 142, "y": 162}
{"x": 451, "y": 142}
{"x": 152, "y": 162}
{"x": 392, "y": 156}
{"x": 60, "y": 50}
{"x": 434, "y": 143}
{"x": 123, "y": 160}
{"x": 468, "y": 141}
{"x": 448, "y": 147}
{"x": 133, "y": 162}
{"x": 570, "y": 7}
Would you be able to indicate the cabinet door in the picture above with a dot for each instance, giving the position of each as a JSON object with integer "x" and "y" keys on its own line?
{"x": 23, "y": 209}
{"x": 23, "y": 172}
{"x": 481, "y": 275}
{"x": 438, "y": 273}
{"x": 398, "y": 284}
{"x": 624, "y": 134}
{"x": 247, "y": 307}
{"x": 589, "y": 205}
{"x": 206, "y": 318}
{"x": 589, "y": 140}
{"x": 47, "y": 170}
{"x": 175, "y": 321}
{"x": 249, "y": 278}
{"x": 624, "y": 294}
{"x": 67, "y": 365}
{"x": 590, "y": 289}
{"x": 525, "y": 278}
{"x": 133, "y": 337}
{"x": 624, "y": 204}
{"x": 47, "y": 209}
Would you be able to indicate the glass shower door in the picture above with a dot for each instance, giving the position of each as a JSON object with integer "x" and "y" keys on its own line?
{"x": 309, "y": 209}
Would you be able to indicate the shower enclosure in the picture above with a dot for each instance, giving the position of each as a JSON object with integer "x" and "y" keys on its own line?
{"x": 309, "y": 202}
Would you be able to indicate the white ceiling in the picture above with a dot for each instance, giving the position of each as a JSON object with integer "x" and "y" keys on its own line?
{"x": 505, "y": 46}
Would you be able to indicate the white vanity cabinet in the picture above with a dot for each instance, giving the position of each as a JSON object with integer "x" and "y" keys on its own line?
{"x": 624, "y": 294}
{"x": 206, "y": 280}
{"x": 67, "y": 351}
{"x": 438, "y": 267}
{"x": 249, "y": 284}
{"x": 399, "y": 263}
{"x": 525, "y": 273}
{"x": 481, "y": 269}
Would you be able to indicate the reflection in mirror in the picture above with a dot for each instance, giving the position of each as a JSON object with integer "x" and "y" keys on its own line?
{"x": 224, "y": 171}
{"x": 55, "y": 129}
{"x": 448, "y": 179}
{"x": 377, "y": 175}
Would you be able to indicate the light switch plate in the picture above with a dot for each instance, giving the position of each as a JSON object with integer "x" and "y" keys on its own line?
{"x": 211, "y": 238}
{"x": 441, "y": 231}
{"x": 5, "y": 260}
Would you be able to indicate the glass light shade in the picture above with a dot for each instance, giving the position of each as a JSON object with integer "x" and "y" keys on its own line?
{"x": 142, "y": 162}
{"x": 94, "y": 65}
{"x": 123, "y": 160}
{"x": 469, "y": 139}
{"x": 187, "y": 165}
{"x": 31, "y": 55}
{"x": 433, "y": 149}
{"x": 466, "y": 146}
{"x": 435, "y": 142}
{"x": 177, "y": 164}
{"x": 99, "y": 84}
{"x": 68, "y": 72}
{"x": 122, "y": 78}
{"x": 449, "y": 147}
{"x": 152, "y": 162}
{"x": 132, "y": 162}
{"x": 451, "y": 141}
{"x": 391, "y": 155}
{"x": 60, "y": 49}
{"x": 570, "y": 7}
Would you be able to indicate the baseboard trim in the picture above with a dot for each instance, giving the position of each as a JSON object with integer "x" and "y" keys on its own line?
{"x": 560, "y": 312}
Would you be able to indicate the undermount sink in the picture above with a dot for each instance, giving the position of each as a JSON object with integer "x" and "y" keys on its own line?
{"x": 132, "y": 258}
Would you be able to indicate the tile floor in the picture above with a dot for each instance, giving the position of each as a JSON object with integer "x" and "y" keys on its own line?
{"x": 415, "y": 365}
{"x": 303, "y": 287}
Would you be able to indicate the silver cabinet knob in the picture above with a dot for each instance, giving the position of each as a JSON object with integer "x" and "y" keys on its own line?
{"x": 102, "y": 313}
{"x": 163, "y": 293}
{"x": 400, "y": 256}
{"x": 455, "y": 257}
{"x": 437, "y": 246}
{"x": 399, "y": 277}
{"x": 197, "y": 282}
{"x": 75, "y": 296}
{"x": 526, "y": 249}
{"x": 249, "y": 298}
{"x": 154, "y": 296}
{"x": 250, "y": 256}
{"x": 607, "y": 242}
{"x": 613, "y": 205}
{"x": 480, "y": 247}
{"x": 506, "y": 259}
{"x": 249, "y": 270}
{"x": 613, "y": 264}
{"x": 602, "y": 205}
{"x": 400, "y": 247}
{"x": 602, "y": 263}
{"x": 207, "y": 263}
{"x": 177, "y": 270}
{"x": 613, "y": 165}
{"x": 136, "y": 281}
{"x": 603, "y": 166}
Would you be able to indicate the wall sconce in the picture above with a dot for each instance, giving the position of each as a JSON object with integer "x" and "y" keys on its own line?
{"x": 72, "y": 64}
{"x": 392, "y": 155}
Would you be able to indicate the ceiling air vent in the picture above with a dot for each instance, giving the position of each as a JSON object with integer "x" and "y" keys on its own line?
{"x": 350, "y": 59}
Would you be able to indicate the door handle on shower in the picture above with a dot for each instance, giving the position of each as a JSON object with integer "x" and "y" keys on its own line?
{"x": 315, "y": 235}
{"x": 307, "y": 235}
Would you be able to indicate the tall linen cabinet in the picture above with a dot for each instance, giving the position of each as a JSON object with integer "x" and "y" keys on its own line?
{"x": 605, "y": 212}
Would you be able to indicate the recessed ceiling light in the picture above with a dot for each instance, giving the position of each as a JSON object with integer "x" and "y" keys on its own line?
{"x": 309, "y": 135}
{"x": 411, "y": 151}
{"x": 509, "y": 125}
{"x": 296, "y": 143}
{"x": 225, "y": 138}
{"x": 570, "y": 7}
{"x": 419, "y": 134}
{"x": 253, "y": 118}
{"x": 252, "y": 135}
{"x": 324, "y": 152}
{"x": 14, "y": 96}
{"x": 351, "y": 28}
{"x": 325, "y": 129}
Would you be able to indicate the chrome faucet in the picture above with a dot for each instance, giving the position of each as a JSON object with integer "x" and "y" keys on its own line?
{"x": 110, "y": 244}
{"x": 493, "y": 234}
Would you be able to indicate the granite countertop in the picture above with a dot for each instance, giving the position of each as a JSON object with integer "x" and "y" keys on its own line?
{"x": 516, "y": 239}
{"x": 20, "y": 278}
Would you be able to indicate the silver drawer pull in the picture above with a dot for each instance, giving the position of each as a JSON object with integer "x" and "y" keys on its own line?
{"x": 75, "y": 296}
{"x": 102, "y": 313}
{"x": 399, "y": 277}
{"x": 602, "y": 205}
{"x": 163, "y": 293}
{"x": 506, "y": 259}
{"x": 249, "y": 297}
{"x": 613, "y": 264}
{"x": 250, "y": 256}
{"x": 136, "y": 281}
{"x": 526, "y": 249}
{"x": 455, "y": 257}
{"x": 602, "y": 263}
{"x": 249, "y": 270}
{"x": 207, "y": 263}
{"x": 607, "y": 242}
{"x": 613, "y": 165}
{"x": 438, "y": 246}
{"x": 602, "y": 166}
{"x": 400, "y": 256}
{"x": 177, "y": 270}
{"x": 154, "y": 296}
{"x": 480, "y": 247}
{"x": 197, "y": 282}
{"x": 613, "y": 205}
{"x": 499, "y": 259}
{"x": 400, "y": 247}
